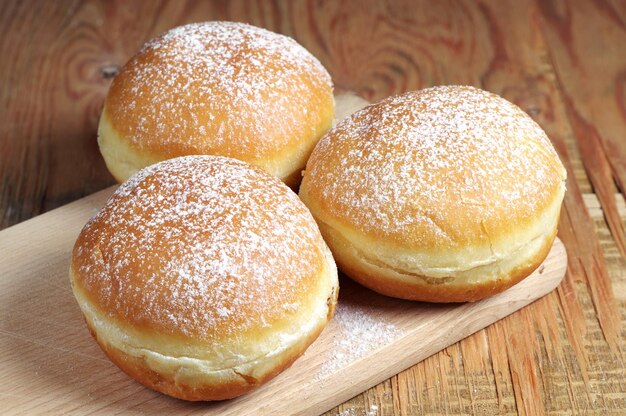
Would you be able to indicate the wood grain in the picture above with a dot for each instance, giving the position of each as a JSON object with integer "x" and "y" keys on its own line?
{"x": 561, "y": 61}
{"x": 49, "y": 363}
{"x": 586, "y": 39}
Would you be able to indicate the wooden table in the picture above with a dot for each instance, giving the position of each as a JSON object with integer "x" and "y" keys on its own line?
{"x": 564, "y": 62}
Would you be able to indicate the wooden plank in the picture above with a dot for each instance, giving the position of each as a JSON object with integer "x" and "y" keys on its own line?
{"x": 50, "y": 364}
{"x": 584, "y": 40}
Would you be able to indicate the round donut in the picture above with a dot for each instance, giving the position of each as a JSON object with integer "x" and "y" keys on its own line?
{"x": 217, "y": 88}
{"x": 203, "y": 277}
{"x": 447, "y": 194}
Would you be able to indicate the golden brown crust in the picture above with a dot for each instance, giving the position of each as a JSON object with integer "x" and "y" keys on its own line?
{"x": 137, "y": 368}
{"x": 203, "y": 277}
{"x": 447, "y": 194}
{"x": 219, "y": 88}
{"x": 443, "y": 167}
{"x": 180, "y": 218}
{"x": 419, "y": 289}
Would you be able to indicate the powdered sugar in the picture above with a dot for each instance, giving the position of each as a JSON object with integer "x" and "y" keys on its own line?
{"x": 412, "y": 158}
{"x": 220, "y": 87}
{"x": 189, "y": 244}
{"x": 359, "y": 332}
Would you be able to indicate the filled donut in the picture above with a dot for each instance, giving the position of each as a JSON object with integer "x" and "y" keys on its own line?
{"x": 447, "y": 194}
{"x": 203, "y": 277}
{"x": 217, "y": 88}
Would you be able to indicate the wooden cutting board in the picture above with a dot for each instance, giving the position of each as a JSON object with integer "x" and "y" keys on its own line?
{"x": 49, "y": 363}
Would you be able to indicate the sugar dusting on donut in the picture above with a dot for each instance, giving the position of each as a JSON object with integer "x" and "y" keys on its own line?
{"x": 194, "y": 86}
{"x": 200, "y": 246}
{"x": 430, "y": 150}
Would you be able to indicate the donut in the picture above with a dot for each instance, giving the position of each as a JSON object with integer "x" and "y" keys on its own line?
{"x": 203, "y": 277}
{"x": 217, "y": 88}
{"x": 448, "y": 194}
